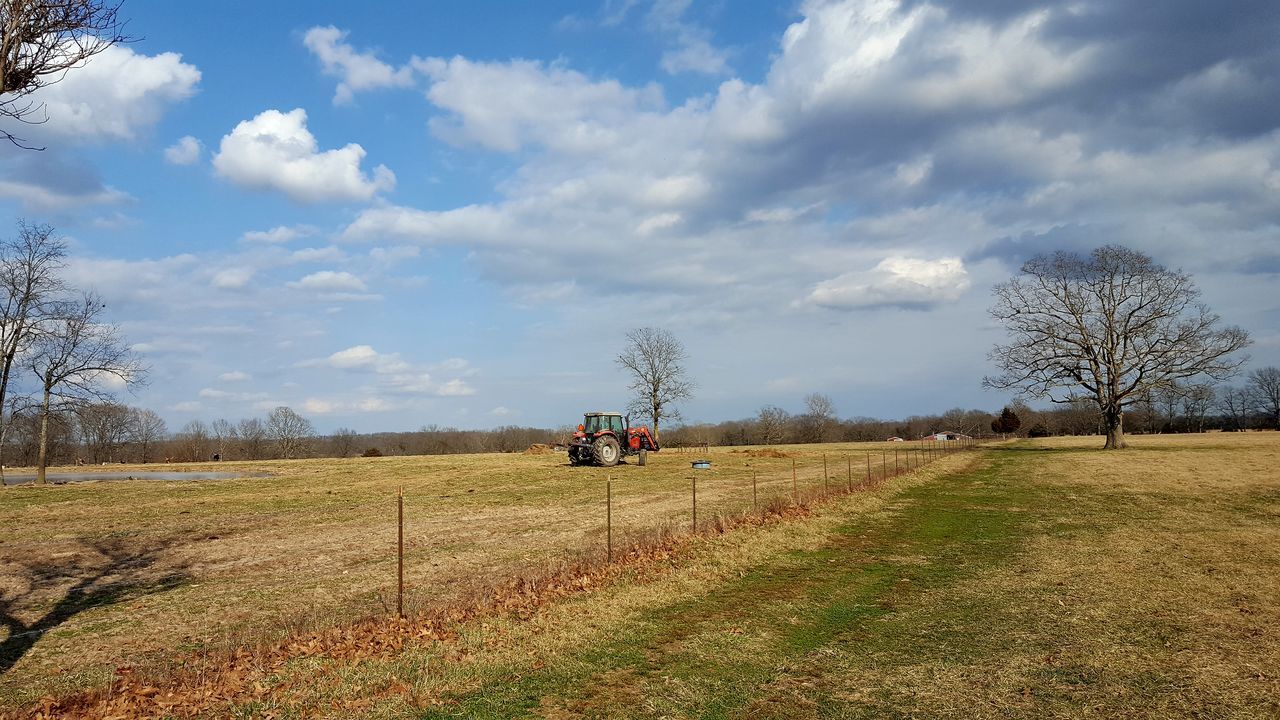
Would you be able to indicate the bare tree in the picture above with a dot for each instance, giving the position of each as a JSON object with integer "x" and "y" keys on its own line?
{"x": 771, "y": 424}
{"x": 1196, "y": 401}
{"x": 343, "y": 442}
{"x": 73, "y": 354}
{"x": 654, "y": 358}
{"x": 253, "y": 436}
{"x": 103, "y": 427}
{"x": 42, "y": 40}
{"x": 1168, "y": 397}
{"x": 1237, "y": 404}
{"x": 1264, "y": 386}
{"x": 291, "y": 431}
{"x": 223, "y": 433}
{"x": 146, "y": 428}
{"x": 819, "y": 418}
{"x": 1114, "y": 324}
{"x": 193, "y": 441}
{"x": 29, "y": 284}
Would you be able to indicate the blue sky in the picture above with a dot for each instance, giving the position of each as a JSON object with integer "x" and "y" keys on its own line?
{"x": 389, "y": 215}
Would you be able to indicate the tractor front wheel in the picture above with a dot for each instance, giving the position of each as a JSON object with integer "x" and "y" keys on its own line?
{"x": 607, "y": 452}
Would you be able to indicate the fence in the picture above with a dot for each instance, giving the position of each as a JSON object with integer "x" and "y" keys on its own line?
{"x": 753, "y": 484}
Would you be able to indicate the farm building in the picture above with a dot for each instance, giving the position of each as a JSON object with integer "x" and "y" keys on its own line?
{"x": 947, "y": 435}
{"x": 895, "y": 438}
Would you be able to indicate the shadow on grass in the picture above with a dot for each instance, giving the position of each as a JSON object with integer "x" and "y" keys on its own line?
{"x": 114, "y": 571}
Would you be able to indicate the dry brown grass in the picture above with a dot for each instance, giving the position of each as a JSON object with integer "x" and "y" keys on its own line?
{"x": 134, "y": 571}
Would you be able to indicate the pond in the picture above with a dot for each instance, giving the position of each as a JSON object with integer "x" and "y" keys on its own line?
{"x": 59, "y": 478}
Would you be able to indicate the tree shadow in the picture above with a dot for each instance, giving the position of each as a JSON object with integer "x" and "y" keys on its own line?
{"x": 114, "y": 571}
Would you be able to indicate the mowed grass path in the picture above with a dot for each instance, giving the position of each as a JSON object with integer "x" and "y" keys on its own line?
{"x": 1039, "y": 579}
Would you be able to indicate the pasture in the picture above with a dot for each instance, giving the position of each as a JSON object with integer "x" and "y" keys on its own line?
{"x": 100, "y": 574}
{"x": 1032, "y": 579}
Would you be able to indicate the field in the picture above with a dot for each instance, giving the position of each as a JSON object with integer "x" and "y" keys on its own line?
{"x": 116, "y": 572}
{"x": 1033, "y": 579}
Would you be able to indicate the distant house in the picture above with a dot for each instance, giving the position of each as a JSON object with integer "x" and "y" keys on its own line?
{"x": 945, "y": 435}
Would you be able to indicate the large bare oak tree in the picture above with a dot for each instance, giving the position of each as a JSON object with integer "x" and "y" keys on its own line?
{"x": 1112, "y": 325}
{"x": 42, "y": 40}
{"x": 654, "y": 358}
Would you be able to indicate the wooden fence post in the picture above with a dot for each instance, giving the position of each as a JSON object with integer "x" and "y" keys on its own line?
{"x": 400, "y": 552}
{"x": 795, "y": 487}
{"x": 695, "y": 504}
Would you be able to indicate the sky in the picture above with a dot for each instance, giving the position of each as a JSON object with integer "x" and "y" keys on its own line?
{"x": 399, "y": 214}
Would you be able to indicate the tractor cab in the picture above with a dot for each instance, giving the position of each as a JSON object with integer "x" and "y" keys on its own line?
{"x": 597, "y": 422}
{"x": 604, "y": 438}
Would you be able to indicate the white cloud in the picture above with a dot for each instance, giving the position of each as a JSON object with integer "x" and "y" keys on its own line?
{"x": 455, "y": 388}
{"x": 232, "y": 278}
{"x": 276, "y": 151}
{"x": 895, "y": 281}
{"x": 317, "y": 406}
{"x": 235, "y": 376}
{"x": 278, "y": 235}
{"x": 501, "y": 411}
{"x": 357, "y": 70}
{"x": 354, "y": 357}
{"x": 117, "y": 94}
{"x": 187, "y": 406}
{"x": 690, "y": 45}
{"x": 213, "y": 394}
{"x": 504, "y": 106}
{"x": 186, "y": 151}
{"x": 317, "y": 255}
{"x": 330, "y": 281}
{"x": 51, "y": 199}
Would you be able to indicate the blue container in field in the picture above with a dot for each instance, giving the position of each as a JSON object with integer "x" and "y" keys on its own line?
{"x": 701, "y": 464}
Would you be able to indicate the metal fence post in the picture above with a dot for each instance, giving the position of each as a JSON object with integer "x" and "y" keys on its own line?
{"x": 608, "y": 514}
{"x": 825, "y": 489}
{"x": 695, "y": 504}
{"x": 753, "y": 491}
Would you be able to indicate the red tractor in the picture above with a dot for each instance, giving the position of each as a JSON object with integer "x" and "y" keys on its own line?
{"x": 604, "y": 438}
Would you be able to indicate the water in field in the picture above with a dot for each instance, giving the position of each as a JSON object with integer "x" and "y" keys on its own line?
{"x": 168, "y": 475}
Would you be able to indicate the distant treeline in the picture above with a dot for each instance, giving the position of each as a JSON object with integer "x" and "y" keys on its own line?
{"x": 112, "y": 433}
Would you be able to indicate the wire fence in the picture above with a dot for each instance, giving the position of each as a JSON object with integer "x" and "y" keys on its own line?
{"x": 633, "y": 513}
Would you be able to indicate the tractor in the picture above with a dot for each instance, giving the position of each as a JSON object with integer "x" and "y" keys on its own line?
{"x": 604, "y": 438}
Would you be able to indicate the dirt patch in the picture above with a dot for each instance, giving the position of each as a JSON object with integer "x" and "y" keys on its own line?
{"x": 538, "y": 449}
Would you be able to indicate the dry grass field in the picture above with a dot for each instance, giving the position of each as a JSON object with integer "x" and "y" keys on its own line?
{"x": 102, "y": 574}
{"x": 1030, "y": 579}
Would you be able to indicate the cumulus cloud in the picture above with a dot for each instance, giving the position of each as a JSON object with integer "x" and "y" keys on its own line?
{"x": 330, "y": 281}
{"x": 356, "y": 70}
{"x": 235, "y": 376}
{"x": 392, "y": 373}
{"x": 276, "y": 151}
{"x": 894, "y": 281}
{"x": 186, "y": 151}
{"x": 115, "y": 96}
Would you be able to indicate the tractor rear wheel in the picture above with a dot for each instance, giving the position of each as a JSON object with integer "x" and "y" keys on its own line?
{"x": 607, "y": 452}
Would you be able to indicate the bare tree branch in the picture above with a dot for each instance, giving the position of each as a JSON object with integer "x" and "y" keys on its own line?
{"x": 1114, "y": 324}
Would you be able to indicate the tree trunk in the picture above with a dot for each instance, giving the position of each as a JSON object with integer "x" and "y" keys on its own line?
{"x": 1114, "y": 419}
{"x": 43, "y": 457}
